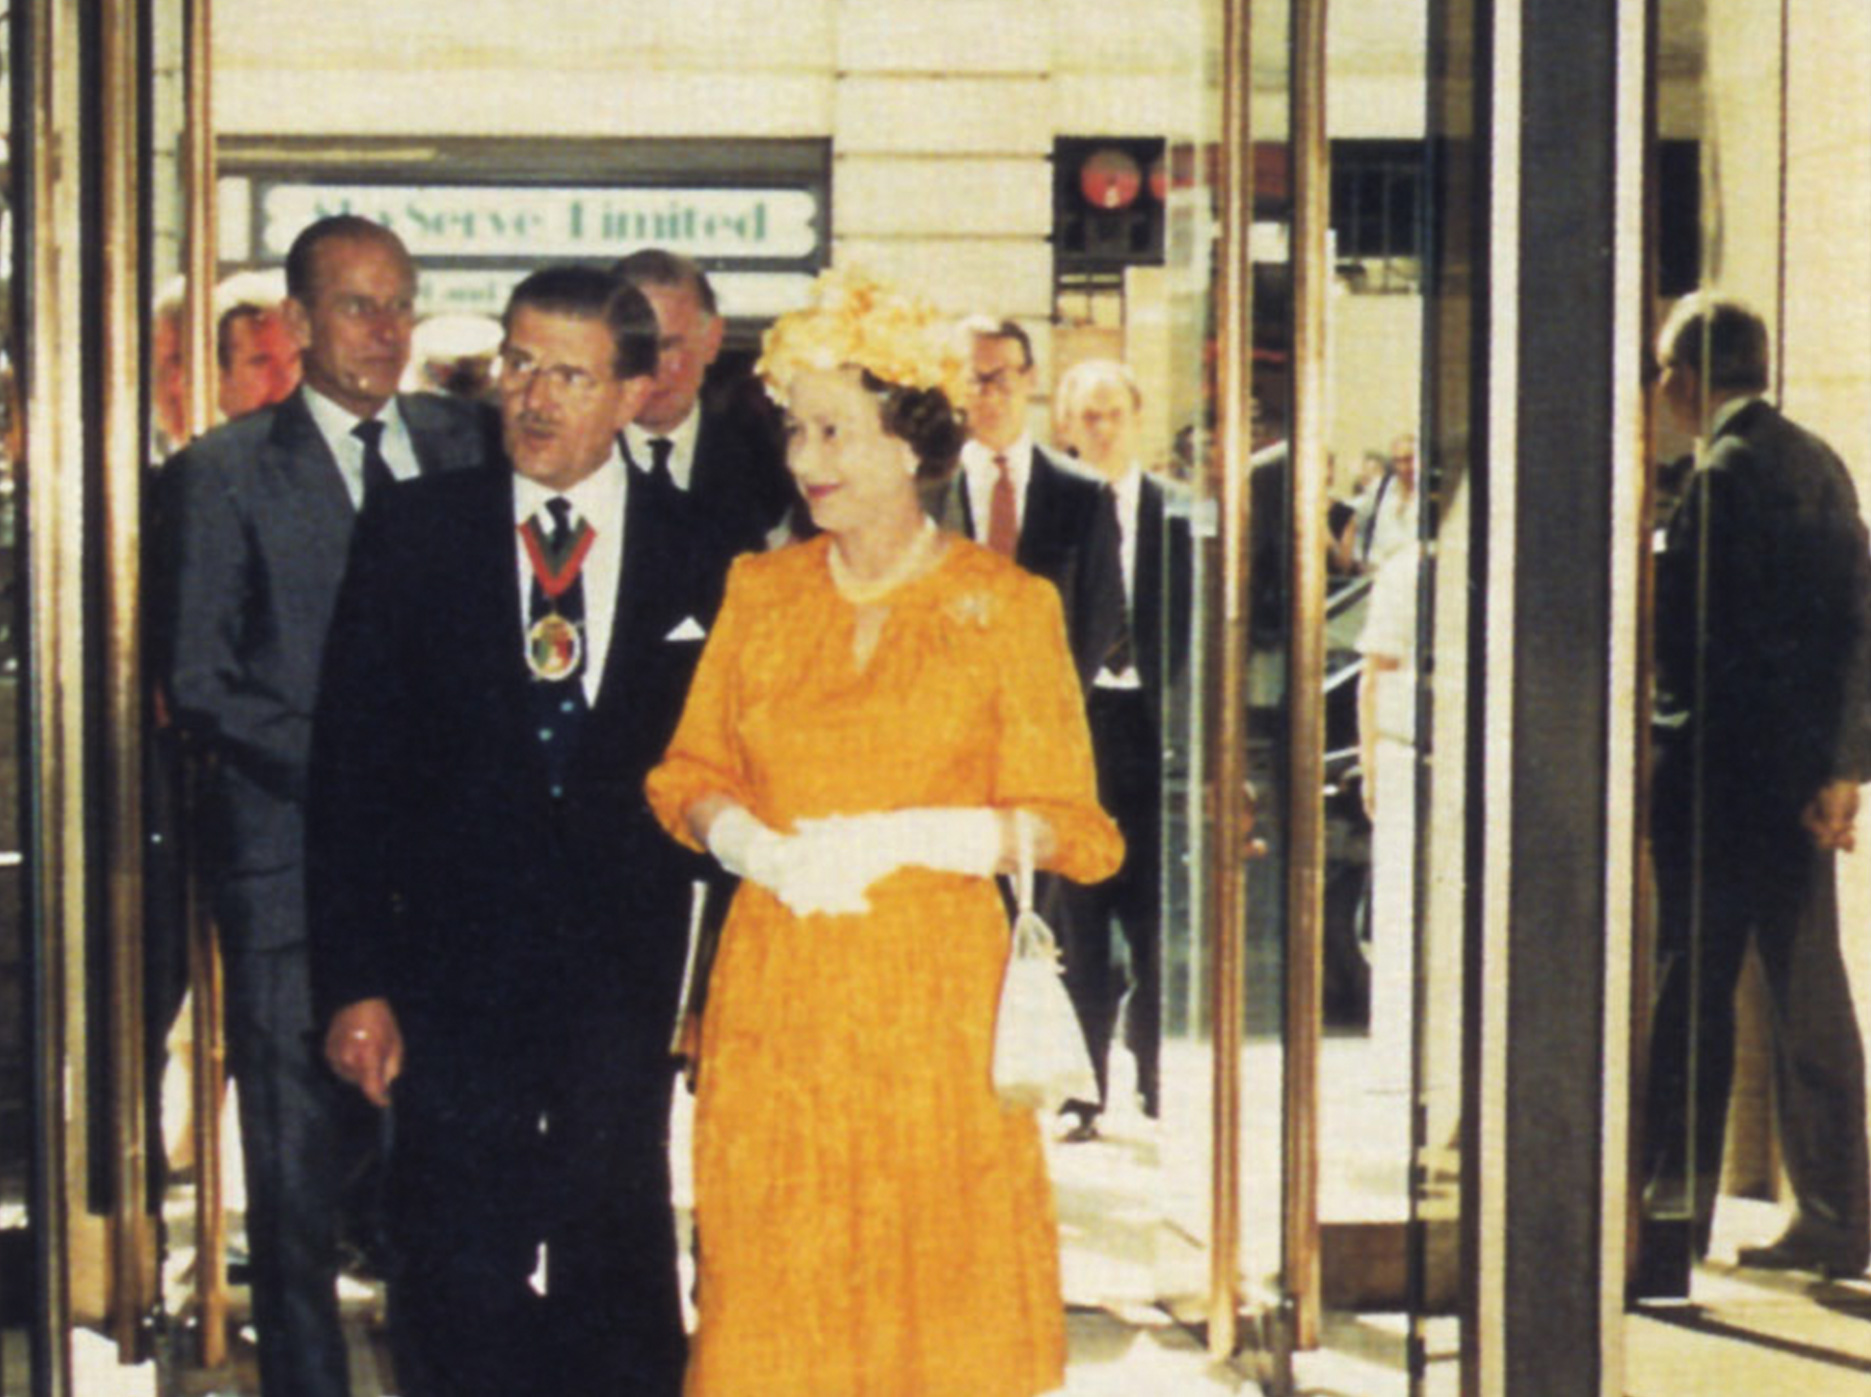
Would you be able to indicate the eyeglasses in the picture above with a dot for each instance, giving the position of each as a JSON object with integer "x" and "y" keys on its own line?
{"x": 518, "y": 370}
{"x": 1000, "y": 382}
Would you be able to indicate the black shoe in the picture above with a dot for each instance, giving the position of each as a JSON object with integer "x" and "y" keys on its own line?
{"x": 1807, "y": 1246}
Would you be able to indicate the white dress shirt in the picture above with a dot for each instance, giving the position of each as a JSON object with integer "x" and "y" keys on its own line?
{"x": 682, "y": 446}
{"x": 334, "y": 424}
{"x": 1127, "y": 491}
{"x": 599, "y": 499}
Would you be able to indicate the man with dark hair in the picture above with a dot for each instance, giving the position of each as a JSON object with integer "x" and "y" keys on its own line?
{"x": 1763, "y": 613}
{"x": 727, "y": 461}
{"x": 498, "y": 923}
{"x": 257, "y": 517}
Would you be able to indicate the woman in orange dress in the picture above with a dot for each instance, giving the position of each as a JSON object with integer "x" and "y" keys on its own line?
{"x": 872, "y": 709}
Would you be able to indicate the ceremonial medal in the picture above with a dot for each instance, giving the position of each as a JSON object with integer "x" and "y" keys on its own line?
{"x": 554, "y": 647}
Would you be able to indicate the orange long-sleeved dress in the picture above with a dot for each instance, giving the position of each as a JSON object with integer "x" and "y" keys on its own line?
{"x": 871, "y": 1221}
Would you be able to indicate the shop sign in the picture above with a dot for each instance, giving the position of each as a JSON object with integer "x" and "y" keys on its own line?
{"x": 484, "y": 291}
{"x": 506, "y": 222}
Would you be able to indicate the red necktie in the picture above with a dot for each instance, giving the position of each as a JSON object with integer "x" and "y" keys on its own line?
{"x": 1003, "y": 518}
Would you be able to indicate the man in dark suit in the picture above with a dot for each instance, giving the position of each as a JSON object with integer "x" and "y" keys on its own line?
{"x": 1099, "y": 403}
{"x": 498, "y": 923}
{"x": 1019, "y": 499}
{"x": 257, "y": 517}
{"x": 1763, "y": 612}
{"x": 1015, "y": 496}
{"x": 727, "y": 460}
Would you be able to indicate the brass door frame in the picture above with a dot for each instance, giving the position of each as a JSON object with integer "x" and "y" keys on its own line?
{"x": 134, "y": 1262}
{"x": 208, "y": 1076}
{"x": 1225, "y": 636}
{"x": 50, "y": 369}
{"x": 83, "y": 216}
{"x": 1305, "y": 727}
{"x": 1227, "y": 607}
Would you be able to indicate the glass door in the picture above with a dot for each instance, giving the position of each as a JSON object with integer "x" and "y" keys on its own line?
{"x": 1182, "y": 270}
{"x": 1750, "y": 1172}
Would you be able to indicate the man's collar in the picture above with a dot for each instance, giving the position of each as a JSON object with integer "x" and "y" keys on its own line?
{"x": 1730, "y": 410}
{"x": 597, "y": 497}
{"x": 336, "y": 420}
{"x": 1019, "y": 455}
{"x": 683, "y": 434}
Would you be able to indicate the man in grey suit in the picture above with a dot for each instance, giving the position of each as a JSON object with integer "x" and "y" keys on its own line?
{"x": 257, "y": 523}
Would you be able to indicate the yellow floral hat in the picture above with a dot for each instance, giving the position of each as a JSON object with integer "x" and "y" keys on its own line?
{"x": 857, "y": 321}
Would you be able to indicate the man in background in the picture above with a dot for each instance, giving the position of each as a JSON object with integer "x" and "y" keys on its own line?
{"x": 1763, "y": 622}
{"x": 254, "y": 348}
{"x": 1099, "y": 403}
{"x": 728, "y": 462}
{"x": 1022, "y": 501}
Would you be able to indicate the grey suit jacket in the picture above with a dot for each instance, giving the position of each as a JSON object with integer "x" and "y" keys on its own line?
{"x": 255, "y": 527}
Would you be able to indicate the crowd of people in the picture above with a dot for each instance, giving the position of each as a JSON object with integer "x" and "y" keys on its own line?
{"x": 518, "y": 702}
{"x": 503, "y": 694}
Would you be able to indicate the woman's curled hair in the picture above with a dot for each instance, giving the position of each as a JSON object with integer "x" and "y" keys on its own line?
{"x": 925, "y": 419}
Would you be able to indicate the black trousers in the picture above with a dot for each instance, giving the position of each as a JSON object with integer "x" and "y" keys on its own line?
{"x": 530, "y": 1208}
{"x": 302, "y": 1134}
{"x": 1758, "y": 881}
{"x": 1125, "y": 744}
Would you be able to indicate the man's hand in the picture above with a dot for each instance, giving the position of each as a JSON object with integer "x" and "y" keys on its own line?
{"x": 1831, "y": 816}
{"x": 365, "y": 1047}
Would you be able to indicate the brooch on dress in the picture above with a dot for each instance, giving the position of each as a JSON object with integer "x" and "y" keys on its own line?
{"x": 972, "y": 608}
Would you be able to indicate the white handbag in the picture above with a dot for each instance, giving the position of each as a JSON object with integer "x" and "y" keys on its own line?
{"x": 1040, "y": 1058}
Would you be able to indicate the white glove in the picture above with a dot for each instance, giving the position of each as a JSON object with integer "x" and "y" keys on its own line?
{"x": 744, "y": 846}
{"x": 809, "y": 872}
{"x": 948, "y": 839}
{"x": 831, "y": 862}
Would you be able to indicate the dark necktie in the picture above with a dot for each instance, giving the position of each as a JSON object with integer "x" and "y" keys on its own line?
{"x": 1121, "y": 655}
{"x": 1003, "y": 516}
{"x": 660, "y": 450}
{"x": 559, "y": 704}
{"x": 377, "y": 477}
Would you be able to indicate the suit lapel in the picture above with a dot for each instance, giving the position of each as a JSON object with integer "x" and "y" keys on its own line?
{"x": 437, "y": 439}
{"x": 300, "y": 466}
{"x": 1036, "y": 515}
{"x": 1147, "y": 583}
{"x": 491, "y": 656}
{"x": 947, "y": 503}
{"x": 1743, "y": 420}
{"x": 648, "y": 572}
